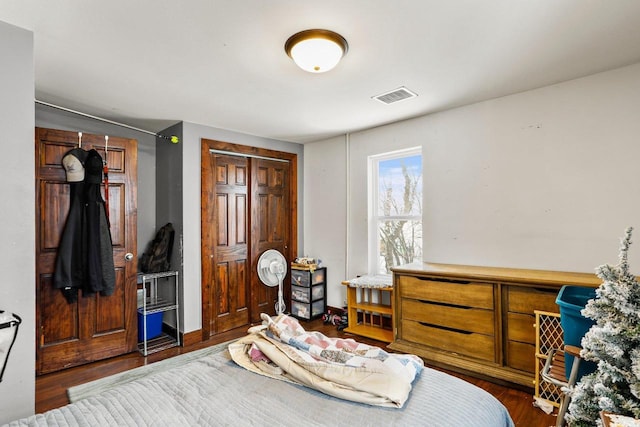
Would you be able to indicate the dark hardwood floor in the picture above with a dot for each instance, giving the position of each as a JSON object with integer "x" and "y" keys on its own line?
{"x": 51, "y": 389}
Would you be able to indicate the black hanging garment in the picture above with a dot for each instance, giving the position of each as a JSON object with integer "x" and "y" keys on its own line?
{"x": 68, "y": 275}
{"x": 85, "y": 253}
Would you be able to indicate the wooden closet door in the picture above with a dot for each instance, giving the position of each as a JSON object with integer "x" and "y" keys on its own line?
{"x": 94, "y": 327}
{"x": 248, "y": 205}
{"x": 230, "y": 231}
{"x": 271, "y": 215}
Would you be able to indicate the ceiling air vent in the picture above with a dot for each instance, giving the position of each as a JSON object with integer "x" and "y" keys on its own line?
{"x": 395, "y": 95}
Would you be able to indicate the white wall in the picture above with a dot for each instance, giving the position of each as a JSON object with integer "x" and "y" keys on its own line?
{"x": 545, "y": 179}
{"x": 325, "y": 211}
{"x": 17, "y": 217}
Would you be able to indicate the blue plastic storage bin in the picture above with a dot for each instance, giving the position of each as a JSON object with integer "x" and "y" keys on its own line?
{"x": 154, "y": 325}
{"x": 571, "y": 300}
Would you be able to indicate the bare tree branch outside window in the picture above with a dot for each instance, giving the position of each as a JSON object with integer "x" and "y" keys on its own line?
{"x": 400, "y": 215}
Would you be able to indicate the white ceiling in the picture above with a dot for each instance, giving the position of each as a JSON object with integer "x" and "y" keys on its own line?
{"x": 221, "y": 63}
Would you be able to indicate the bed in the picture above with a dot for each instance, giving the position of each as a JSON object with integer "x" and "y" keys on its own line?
{"x": 208, "y": 388}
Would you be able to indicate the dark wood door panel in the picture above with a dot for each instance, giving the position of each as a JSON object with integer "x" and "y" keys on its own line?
{"x": 54, "y": 198}
{"x": 222, "y": 286}
{"x": 117, "y": 213}
{"x": 270, "y": 228}
{"x": 277, "y": 218}
{"x": 240, "y": 220}
{"x": 222, "y": 229}
{"x": 111, "y": 311}
{"x": 231, "y": 293}
{"x": 94, "y": 326}
{"x": 229, "y": 243}
{"x": 49, "y": 158}
{"x": 51, "y": 304}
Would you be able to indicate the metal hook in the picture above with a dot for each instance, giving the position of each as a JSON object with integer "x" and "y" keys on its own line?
{"x": 106, "y": 147}
{"x": 79, "y": 139}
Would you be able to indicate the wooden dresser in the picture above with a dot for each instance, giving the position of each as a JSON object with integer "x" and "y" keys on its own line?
{"x": 477, "y": 320}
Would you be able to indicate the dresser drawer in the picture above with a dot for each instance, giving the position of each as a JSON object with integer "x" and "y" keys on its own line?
{"x": 465, "y": 319}
{"x": 467, "y": 294}
{"x": 520, "y": 328}
{"x": 521, "y": 356}
{"x": 526, "y": 300}
{"x": 470, "y": 344}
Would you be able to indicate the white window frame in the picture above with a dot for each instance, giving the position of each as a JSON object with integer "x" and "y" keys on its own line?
{"x": 372, "y": 190}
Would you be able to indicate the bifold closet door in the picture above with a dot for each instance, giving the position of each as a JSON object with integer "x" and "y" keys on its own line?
{"x": 229, "y": 261}
{"x": 270, "y": 220}
{"x": 246, "y": 208}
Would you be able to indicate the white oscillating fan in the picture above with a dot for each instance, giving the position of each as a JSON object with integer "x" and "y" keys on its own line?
{"x": 272, "y": 267}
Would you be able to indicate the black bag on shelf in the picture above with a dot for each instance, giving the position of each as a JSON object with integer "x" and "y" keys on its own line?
{"x": 157, "y": 257}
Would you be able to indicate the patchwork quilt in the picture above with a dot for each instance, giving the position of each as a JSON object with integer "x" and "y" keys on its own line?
{"x": 281, "y": 348}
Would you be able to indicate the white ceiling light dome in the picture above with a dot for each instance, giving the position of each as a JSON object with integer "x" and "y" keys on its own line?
{"x": 316, "y": 51}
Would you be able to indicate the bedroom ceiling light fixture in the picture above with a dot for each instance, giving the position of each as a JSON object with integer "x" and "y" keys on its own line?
{"x": 316, "y": 51}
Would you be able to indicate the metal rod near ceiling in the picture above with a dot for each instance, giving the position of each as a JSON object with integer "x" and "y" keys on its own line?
{"x": 173, "y": 138}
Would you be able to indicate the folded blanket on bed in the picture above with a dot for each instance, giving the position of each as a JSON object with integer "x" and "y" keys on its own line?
{"x": 344, "y": 368}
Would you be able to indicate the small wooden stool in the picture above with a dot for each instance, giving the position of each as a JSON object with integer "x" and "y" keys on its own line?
{"x": 360, "y": 299}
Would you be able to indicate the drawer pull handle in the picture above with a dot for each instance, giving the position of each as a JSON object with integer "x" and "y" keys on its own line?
{"x": 437, "y": 279}
{"x": 446, "y": 304}
{"x": 444, "y": 328}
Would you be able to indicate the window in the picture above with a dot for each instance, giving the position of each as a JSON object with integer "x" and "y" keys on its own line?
{"x": 395, "y": 209}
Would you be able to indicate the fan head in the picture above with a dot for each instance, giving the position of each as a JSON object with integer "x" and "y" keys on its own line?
{"x": 272, "y": 267}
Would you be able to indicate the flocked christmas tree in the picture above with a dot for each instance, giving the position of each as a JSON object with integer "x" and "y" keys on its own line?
{"x": 614, "y": 343}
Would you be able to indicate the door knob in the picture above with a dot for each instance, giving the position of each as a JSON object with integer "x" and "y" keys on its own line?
{"x": 128, "y": 256}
